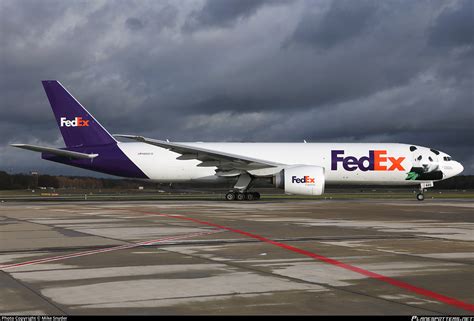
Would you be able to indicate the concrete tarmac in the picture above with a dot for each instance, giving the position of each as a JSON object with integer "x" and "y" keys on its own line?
{"x": 204, "y": 257}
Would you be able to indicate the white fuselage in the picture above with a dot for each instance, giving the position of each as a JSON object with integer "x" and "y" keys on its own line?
{"x": 300, "y": 168}
{"x": 344, "y": 163}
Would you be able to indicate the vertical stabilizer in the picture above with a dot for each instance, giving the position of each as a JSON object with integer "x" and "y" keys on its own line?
{"x": 77, "y": 125}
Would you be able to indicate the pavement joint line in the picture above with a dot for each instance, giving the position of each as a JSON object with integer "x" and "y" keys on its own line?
{"x": 211, "y": 296}
{"x": 420, "y": 256}
{"x": 243, "y": 241}
{"x": 236, "y": 294}
{"x": 57, "y": 228}
{"x": 177, "y": 243}
{"x": 52, "y": 227}
{"x": 225, "y": 241}
{"x": 397, "y": 283}
{"x": 110, "y": 249}
{"x": 34, "y": 292}
{"x": 295, "y": 279}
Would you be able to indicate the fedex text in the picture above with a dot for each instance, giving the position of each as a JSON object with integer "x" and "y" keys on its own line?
{"x": 76, "y": 122}
{"x": 377, "y": 160}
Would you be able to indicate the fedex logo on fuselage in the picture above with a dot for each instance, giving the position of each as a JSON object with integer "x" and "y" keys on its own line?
{"x": 376, "y": 161}
{"x": 76, "y": 122}
{"x": 304, "y": 180}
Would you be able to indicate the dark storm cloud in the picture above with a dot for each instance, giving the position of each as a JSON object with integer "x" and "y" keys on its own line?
{"x": 134, "y": 23}
{"x": 218, "y": 13}
{"x": 344, "y": 20}
{"x": 242, "y": 71}
{"x": 454, "y": 27}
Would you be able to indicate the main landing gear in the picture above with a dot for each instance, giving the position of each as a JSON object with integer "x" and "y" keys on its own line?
{"x": 242, "y": 196}
{"x": 240, "y": 191}
{"x": 423, "y": 186}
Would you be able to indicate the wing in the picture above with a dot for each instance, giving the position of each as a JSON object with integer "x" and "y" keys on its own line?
{"x": 56, "y": 151}
{"x": 208, "y": 157}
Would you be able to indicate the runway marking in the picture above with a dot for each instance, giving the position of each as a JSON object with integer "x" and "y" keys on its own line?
{"x": 400, "y": 284}
{"x": 115, "y": 248}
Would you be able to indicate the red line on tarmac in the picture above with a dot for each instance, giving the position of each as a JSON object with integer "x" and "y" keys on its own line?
{"x": 115, "y": 248}
{"x": 433, "y": 295}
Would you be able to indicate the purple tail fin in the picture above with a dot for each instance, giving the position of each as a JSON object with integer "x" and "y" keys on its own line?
{"x": 77, "y": 125}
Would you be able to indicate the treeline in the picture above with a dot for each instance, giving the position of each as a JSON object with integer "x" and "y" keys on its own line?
{"x": 457, "y": 182}
{"x": 27, "y": 181}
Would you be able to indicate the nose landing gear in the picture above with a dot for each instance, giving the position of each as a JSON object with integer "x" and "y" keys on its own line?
{"x": 423, "y": 186}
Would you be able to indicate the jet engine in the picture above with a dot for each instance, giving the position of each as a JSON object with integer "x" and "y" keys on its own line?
{"x": 301, "y": 180}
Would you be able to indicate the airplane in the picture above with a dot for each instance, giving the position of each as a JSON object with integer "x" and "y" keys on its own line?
{"x": 298, "y": 168}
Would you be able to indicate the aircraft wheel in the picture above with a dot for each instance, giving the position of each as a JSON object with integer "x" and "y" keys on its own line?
{"x": 256, "y": 195}
{"x": 240, "y": 197}
{"x": 420, "y": 196}
{"x": 230, "y": 196}
{"x": 250, "y": 196}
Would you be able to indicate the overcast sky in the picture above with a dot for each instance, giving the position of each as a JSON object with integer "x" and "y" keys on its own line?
{"x": 241, "y": 70}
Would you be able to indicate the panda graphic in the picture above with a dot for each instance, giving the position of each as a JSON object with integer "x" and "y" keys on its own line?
{"x": 425, "y": 165}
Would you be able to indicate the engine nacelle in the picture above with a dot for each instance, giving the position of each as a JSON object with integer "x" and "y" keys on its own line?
{"x": 301, "y": 180}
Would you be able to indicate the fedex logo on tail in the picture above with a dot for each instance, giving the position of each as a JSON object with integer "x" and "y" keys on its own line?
{"x": 375, "y": 161}
{"x": 76, "y": 122}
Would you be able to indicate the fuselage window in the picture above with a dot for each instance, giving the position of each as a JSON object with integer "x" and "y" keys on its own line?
{"x": 431, "y": 159}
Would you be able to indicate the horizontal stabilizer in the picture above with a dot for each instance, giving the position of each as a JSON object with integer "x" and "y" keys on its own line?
{"x": 56, "y": 151}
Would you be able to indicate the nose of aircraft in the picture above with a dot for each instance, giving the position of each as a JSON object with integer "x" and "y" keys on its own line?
{"x": 458, "y": 168}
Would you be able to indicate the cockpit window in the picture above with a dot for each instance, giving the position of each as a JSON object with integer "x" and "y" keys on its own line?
{"x": 447, "y": 158}
{"x": 431, "y": 159}
{"x": 434, "y": 151}
{"x": 420, "y": 157}
{"x": 412, "y": 148}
